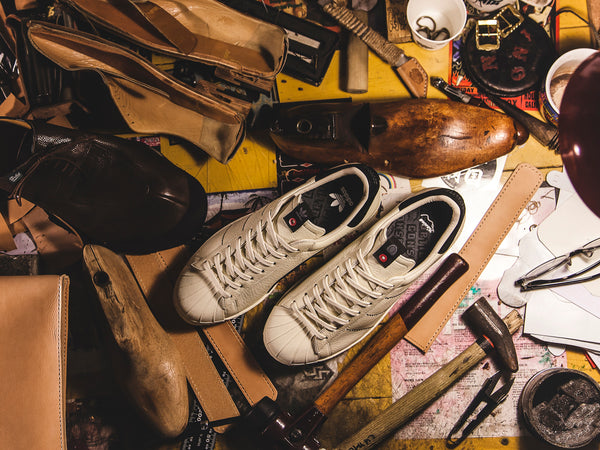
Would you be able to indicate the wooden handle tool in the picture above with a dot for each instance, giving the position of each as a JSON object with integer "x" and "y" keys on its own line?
{"x": 410, "y": 71}
{"x": 423, "y": 394}
{"x": 283, "y": 433}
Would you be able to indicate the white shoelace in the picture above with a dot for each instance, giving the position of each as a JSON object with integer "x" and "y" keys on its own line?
{"x": 245, "y": 260}
{"x": 333, "y": 303}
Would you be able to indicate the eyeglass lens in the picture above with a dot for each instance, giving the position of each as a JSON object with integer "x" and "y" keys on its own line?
{"x": 582, "y": 264}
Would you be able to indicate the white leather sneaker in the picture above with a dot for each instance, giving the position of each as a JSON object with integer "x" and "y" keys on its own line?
{"x": 338, "y": 305}
{"x": 237, "y": 267}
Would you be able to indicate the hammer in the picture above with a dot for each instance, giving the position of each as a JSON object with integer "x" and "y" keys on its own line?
{"x": 279, "y": 430}
{"x": 495, "y": 334}
{"x": 356, "y": 62}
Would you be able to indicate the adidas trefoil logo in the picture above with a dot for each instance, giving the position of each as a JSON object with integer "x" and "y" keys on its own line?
{"x": 341, "y": 200}
{"x": 427, "y": 223}
{"x": 338, "y": 201}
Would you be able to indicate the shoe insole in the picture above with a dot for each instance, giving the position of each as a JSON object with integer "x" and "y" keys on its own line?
{"x": 331, "y": 203}
{"x": 420, "y": 229}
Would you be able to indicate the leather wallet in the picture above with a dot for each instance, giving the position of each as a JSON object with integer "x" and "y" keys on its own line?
{"x": 33, "y": 357}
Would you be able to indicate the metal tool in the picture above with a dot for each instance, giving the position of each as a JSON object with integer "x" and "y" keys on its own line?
{"x": 454, "y": 93}
{"x": 356, "y": 58}
{"x": 279, "y": 430}
{"x": 483, "y": 319}
{"x": 405, "y": 408}
{"x": 410, "y": 71}
{"x": 486, "y": 395}
{"x": 545, "y": 133}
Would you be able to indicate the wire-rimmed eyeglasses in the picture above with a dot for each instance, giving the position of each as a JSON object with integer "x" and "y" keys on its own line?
{"x": 555, "y": 272}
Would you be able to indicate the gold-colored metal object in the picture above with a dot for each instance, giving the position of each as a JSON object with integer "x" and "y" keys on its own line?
{"x": 487, "y": 35}
{"x": 508, "y": 19}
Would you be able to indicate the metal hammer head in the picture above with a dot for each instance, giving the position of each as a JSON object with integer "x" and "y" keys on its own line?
{"x": 484, "y": 320}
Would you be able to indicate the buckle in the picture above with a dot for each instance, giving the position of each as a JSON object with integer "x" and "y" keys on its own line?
{"x": 509, "y": 20}
{"x": 487, "y": 35}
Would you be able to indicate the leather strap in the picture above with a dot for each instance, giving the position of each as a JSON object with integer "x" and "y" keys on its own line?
{"x": 58, "y": 247}
{"x": 156, "y": 273}
{"x": 168, "y": 26}
{"x": 478, "y": 250}
{"x": 7, "y": 242}
{"x": 33, "y": 359}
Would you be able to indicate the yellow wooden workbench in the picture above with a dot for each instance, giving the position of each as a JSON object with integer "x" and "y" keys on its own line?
{"x": 254, "y": 167}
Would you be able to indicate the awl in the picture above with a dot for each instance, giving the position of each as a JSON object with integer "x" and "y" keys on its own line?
{"x": 410, "y": 71}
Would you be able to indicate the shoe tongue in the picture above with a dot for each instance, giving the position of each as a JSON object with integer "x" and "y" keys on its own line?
{"x": 389, "y": 258}
{"x": 294, "y": 222}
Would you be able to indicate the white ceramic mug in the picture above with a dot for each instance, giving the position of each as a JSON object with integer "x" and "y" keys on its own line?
{"x": 435, "y": 15}
{"x": 556, "y": 81}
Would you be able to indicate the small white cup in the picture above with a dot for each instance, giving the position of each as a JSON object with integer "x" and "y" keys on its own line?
{"x": 551, "y": 92}
{"x": 435, "y": 15}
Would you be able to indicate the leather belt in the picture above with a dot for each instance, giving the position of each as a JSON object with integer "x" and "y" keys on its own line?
{"x": 478, "y": 250}
{"x": 6, "y": 237}
{"x": 156, "y": 273}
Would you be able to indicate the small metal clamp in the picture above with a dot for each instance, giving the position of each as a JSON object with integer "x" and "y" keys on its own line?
{"x": 485, "y": 395}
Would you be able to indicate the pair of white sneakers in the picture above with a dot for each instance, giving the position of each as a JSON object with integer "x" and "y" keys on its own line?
{"x": 338, "y": 305}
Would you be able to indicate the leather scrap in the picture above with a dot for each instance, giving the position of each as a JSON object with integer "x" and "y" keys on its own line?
{"x": 7, "y": 242}
{"x": 33, "y": 332}
{"x": 479, "y": 249}
{"x": 156, "y": 273}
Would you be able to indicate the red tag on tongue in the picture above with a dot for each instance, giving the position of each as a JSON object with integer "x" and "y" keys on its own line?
{"x": 297, "y": 217}
{"x": 389, "y": 251}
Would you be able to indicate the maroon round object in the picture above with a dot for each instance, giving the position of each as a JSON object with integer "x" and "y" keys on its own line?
{"x": 579, "y": 131}
{"x": 517, "y": 67}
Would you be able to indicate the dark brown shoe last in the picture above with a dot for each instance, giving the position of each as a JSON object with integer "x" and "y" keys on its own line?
{"x": 113, "y": 191}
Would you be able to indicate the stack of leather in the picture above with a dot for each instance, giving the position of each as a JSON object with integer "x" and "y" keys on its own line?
{"x": 108, "y": 38}
{"x": 68, "y": 185}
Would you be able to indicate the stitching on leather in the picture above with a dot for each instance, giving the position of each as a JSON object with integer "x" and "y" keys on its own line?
{"x": 63, "y": 284}
{"x": 59, "y": 358}
{"x": 503, "y": 193}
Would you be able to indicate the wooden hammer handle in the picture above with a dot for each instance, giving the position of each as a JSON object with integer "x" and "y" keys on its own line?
{"x": 392, "y": 331}
{"x": 423, "y": 394}
{"x": 380, "y": 45}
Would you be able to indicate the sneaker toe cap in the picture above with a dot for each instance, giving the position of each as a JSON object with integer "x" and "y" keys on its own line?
{"x": 195, "y": 300}
{"x": 286, "y": 339}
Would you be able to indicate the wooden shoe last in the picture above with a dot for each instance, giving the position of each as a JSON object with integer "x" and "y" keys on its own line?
{"x": 147, "y": 363}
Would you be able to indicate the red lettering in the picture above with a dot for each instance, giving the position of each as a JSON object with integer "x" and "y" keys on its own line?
{"x": 526, "y": 34}
{"x": 518, "y": 73}
{"x": 520, "y": 53}
{"x": 489, "y": 63}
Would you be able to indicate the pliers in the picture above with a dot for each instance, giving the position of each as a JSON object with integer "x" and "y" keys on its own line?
{"x": 485, "y": 395}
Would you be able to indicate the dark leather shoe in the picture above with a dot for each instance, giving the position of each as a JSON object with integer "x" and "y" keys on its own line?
{"x": 112, "y": 191}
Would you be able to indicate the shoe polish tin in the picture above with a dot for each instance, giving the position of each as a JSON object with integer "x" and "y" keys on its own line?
{"x": 562, "y": 407}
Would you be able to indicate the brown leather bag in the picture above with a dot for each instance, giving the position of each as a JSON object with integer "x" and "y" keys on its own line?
{"x": 243, "y": 50}
{"x": 33, "y": 357}
{"x": 149, "y": 99}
